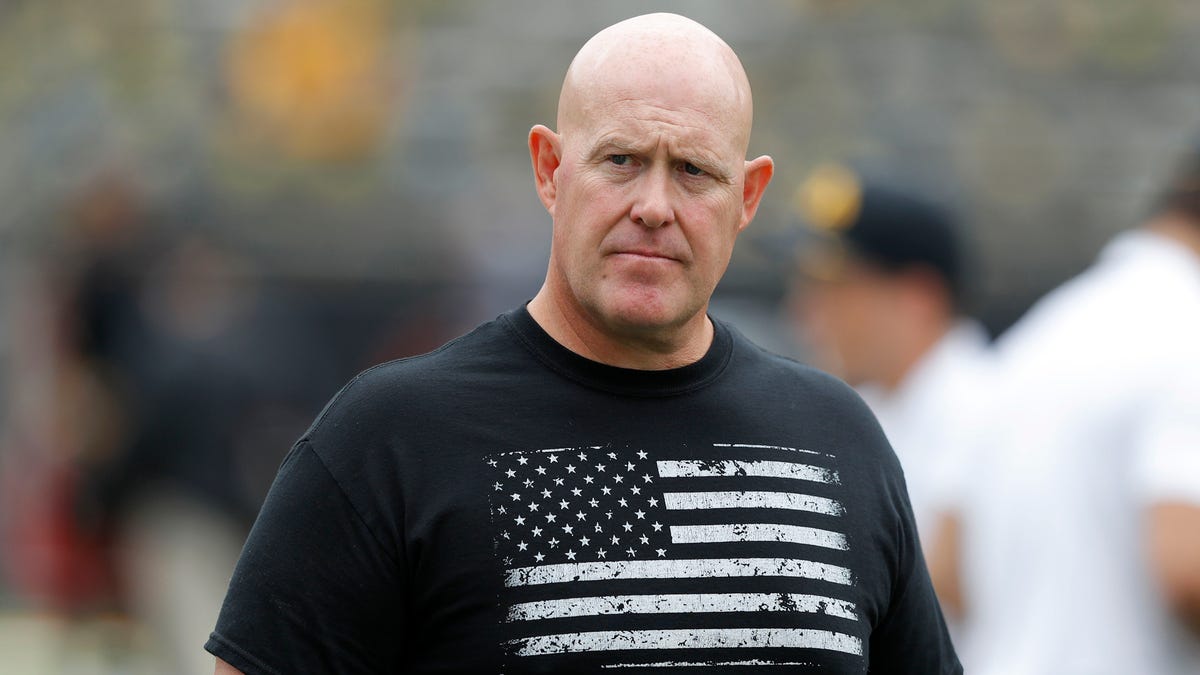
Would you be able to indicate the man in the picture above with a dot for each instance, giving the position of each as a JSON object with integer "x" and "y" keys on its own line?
{"x": 606, "y": 477}
{"x": 1081, "y": 537}
{"x": 878, "y": 298}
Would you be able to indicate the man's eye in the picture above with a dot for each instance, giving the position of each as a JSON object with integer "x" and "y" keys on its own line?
{"x": 619, "y": 160}
{"x": 692, "y": 169}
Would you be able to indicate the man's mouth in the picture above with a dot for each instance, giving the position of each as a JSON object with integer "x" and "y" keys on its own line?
{"x": 645, "y": 253}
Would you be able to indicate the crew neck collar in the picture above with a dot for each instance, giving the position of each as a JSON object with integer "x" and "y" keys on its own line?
{"x": 624, "y": 381}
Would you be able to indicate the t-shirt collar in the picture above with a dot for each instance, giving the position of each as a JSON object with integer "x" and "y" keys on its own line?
{"x": 624, "y": 381}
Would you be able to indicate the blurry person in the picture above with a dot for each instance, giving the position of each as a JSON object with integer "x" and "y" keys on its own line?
{"x": 877, "y": 301}
{"x": 606, "y": 476}
{"x": 1081, "y": 533}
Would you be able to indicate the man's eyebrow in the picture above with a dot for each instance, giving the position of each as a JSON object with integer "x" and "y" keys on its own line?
{"x": 700, "y": 158}
{"x": 605, "y": 145}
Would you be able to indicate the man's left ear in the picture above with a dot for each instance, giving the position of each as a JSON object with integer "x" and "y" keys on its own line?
{"x": 758, "y": 173}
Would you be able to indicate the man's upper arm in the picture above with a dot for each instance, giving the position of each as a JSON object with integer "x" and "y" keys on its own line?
{"x": 314, "y": 590}
{"x": 226, "y": 669}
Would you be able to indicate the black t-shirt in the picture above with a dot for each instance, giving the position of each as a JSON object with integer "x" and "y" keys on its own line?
{"x": 505, "y": 505}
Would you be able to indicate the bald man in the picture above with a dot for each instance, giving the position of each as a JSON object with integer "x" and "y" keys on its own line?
{"x": 606, "y": 477}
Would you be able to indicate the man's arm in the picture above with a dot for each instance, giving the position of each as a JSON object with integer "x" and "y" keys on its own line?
{"x": 226, "y": 669}
{"x": 314, "y": 589}
{"x": 1174, "y": 543}
{"x": 944, "y": 561}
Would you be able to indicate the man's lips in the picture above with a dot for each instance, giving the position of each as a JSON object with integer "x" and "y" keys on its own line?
{"x": 645, "y": 253}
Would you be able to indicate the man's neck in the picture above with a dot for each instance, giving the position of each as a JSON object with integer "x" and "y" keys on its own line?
{"x": 572, "y": 327}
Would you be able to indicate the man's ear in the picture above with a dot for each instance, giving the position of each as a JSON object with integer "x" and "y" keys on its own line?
{"x": 545, "y": 151}
{"x": 758, "y": 174}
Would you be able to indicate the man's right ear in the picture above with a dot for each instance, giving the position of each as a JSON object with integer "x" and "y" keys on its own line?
{"x": 545, "y": 150}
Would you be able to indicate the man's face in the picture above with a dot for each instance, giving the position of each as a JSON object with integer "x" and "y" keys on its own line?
{"x": 846, "y": 322}
{"x": 649, "y": 203}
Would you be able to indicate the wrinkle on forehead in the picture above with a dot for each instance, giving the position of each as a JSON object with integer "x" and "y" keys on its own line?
{"x": 669, "y": 62}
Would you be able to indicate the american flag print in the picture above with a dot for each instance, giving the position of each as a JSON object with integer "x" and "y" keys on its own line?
{"x": 728, "y": 555}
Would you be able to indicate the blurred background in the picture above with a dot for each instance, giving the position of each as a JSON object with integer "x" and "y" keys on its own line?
{"x": 217, "y": 213}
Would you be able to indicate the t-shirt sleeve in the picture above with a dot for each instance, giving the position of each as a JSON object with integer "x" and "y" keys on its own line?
{"x": 314, "y": 590}
{"x": 911, "y": 638}
{"x": 1167, "y": 441}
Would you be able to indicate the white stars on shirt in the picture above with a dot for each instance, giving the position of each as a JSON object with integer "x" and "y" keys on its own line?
{"x": 587, "y": 494}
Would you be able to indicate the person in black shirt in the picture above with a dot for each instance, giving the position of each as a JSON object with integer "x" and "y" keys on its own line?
{"x": 606, "y": 477}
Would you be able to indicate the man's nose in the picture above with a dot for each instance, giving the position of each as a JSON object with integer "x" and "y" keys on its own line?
{"x": 652, "y": 206}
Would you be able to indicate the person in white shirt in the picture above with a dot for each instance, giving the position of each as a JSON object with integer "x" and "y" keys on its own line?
{"x": 1080, "y": 537}
{"x": 877, "y": 302}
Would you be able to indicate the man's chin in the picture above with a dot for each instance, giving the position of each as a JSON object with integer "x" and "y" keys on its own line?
{"x": 646, "y": 315}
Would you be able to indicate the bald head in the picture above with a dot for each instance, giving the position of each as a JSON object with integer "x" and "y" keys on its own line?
{"x": 648, "y": 184}
{"x": 664, "y": 58}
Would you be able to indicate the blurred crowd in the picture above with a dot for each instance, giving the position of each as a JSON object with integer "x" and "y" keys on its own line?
{"x": 217, "y": 213}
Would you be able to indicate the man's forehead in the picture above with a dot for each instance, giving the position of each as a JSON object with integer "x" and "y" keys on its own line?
{"x": 638, "y": 114}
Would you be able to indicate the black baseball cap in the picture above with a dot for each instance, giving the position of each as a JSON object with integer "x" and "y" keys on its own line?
{"x": 844, "y": 216}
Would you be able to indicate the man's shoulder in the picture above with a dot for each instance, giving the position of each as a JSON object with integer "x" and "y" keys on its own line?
{"x": 777, "y": 369}
{"x": 787, "y": 384}
{"x": 397, "y": 389}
